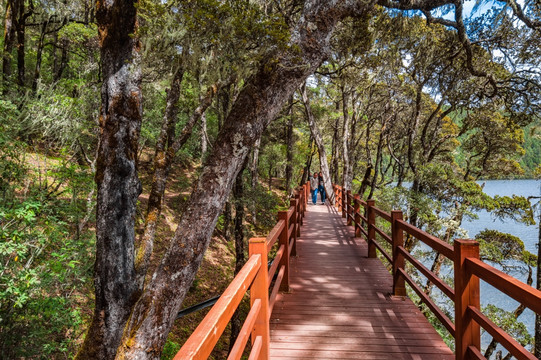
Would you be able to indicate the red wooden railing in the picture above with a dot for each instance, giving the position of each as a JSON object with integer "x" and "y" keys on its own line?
{"x": 468, "y": 270}
{"x": 256, "y": 277}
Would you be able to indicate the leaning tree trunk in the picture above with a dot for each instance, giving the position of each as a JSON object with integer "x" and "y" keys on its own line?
{"x": 347, "y": 173}
{"x": 116, "y": 178}
{"x": 240, "y": 258}
{"x": 20, "y": 28}
{"x": 289, "y": 148}
{"x": 316, "y": 134}
{"x": 257, "y": 104}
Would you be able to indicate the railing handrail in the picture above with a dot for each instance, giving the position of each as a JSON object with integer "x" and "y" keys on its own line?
{"x": 469, "y": 269}
{"x": 257, "y": 277}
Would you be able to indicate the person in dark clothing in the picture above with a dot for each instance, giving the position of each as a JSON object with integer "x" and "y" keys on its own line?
{"x": 321, "y": 189}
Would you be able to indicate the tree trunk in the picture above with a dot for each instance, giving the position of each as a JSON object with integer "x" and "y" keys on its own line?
{"x": 116, "y": 178}
{"x": 366, "y": 180}
{"x": 376, "y": 166}
{"x": 203, "y": 136}
{"x": 289, "y": 148}
{"x": 39, "y": 56}
{"x": 347, "y": 174}
{"x": 238, "y": 194}
{"x": 316, "y": 134}
{"x": 335, "y": 150}
{"x": 20, "y": 27}
{"x": 255, "y": 161}
{"x": 63, "y": 61}
{"x": 307, "y": 164}
{"x": 253, "y": 176}
{"x": 10, "y": 20}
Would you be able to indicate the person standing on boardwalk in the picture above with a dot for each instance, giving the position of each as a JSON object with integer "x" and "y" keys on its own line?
{"x": 314, "y": 185}
{"x": 321, "y": 188}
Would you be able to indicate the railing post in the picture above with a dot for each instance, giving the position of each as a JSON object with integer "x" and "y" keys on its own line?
{"x": 293, "y": 202}
{"x": 303, "y": 199}
{"x": 260, "y": 290}
{"x": 298, "y": 218}
{"x": 283, "y": 240}
{"x": 344, "y": 202}
{"x": 467, "y": 331}
{"x": 371, "y": 217}
{"x": 349, "y": 209}
{"x": 340, "y": 203}
{"x": 298, "y": 195}
{"x": 399, "y": 286}
{"x": 307, "y": 189}
{"x": 357, "y": 212}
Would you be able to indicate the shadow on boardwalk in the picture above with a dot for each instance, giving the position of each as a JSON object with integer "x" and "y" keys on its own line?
{"x": 339, "y": 305}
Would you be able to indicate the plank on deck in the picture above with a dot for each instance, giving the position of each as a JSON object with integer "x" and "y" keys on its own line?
{"x": 339, "y": 305}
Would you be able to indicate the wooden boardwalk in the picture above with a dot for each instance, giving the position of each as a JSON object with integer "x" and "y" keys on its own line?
{"x": 339, "y": 305}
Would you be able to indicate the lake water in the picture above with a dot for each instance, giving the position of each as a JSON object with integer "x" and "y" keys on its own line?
{"x": 528, "y": 234}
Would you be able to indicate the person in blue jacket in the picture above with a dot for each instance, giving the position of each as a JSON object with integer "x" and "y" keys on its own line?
{"x": 321, "y": 188}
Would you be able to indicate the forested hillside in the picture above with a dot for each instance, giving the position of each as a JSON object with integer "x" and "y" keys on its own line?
{"x": 137, "y": 135}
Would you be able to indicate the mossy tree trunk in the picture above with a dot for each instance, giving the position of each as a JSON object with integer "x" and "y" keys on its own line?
{"x": 116, "y": 178}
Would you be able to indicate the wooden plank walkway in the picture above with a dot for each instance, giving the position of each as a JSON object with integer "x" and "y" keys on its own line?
{"x": 339, "y": 305}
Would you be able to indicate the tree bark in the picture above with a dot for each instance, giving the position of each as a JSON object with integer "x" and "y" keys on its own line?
{"x": 204, "y": 145}
{"x": 240, "y": 259}
{"x": 316, "y": 134}
{"x": 10, "y": 20}
{"x": 347, "y": 174}
{"x": 289, "y": 148}
{"x": 376, "y": 166}
{"x": 20, "y": 27}
{"x": 116, "y": 178}
{"x": 334, "y": 152}
{"x": 39, "y": 56}
{"x": 257, "y": 104}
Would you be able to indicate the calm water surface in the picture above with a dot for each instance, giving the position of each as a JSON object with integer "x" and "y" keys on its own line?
{"x": 528, "y": 234}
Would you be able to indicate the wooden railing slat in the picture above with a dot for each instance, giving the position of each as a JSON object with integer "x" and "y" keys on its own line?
{"x": 244, "y": 334}
{"x": 515, "y": 288}
{"x": 437, "y": 244}
{"x": 501, "y": 336}
{"x": 275, "y": 233}
{"x": 206, "y": 335}
{"x": 383, "y": 235}
{"x": 383, "y": 252}
{"x": 276, "y": 261}
{"x": 256, "y": 348}
{"x": 446, "y": 289}
{"x": 275, "y": 289}
{"x": 428, "y": 302}
{"x": 475, "y": 353}
{"x": 382, "y": 214}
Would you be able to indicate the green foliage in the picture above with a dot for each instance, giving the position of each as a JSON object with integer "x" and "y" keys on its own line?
{"x": 498, "y": 247}
{"x": 510, "y": 324}
{"x": 170, "y": 349}
{"x": 45, "y": 260}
